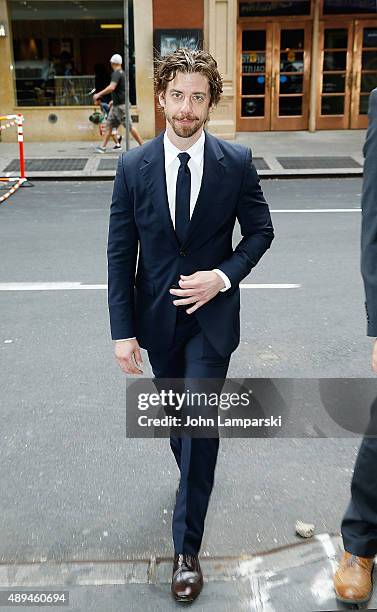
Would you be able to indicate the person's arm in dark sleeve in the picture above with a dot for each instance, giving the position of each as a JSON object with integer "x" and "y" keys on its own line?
{"x": 256, "y": 227}
{"x": 369, "y": 219}
{"x": 110, "y": 88}
{"x": 122, "y": 252}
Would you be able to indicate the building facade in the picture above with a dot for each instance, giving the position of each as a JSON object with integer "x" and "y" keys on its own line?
{"x": 286, "y": 64}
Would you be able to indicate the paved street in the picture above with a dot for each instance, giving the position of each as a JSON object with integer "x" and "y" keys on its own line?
{"x": 73, "y": 487}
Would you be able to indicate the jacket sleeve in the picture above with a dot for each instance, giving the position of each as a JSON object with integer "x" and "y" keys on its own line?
{"x": 122, "y": 249}
{"x": 369, "y": 219}
{"x": 255, "y": 223}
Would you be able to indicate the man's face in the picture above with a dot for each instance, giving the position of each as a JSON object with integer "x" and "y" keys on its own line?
{"x": 186, "y": 103}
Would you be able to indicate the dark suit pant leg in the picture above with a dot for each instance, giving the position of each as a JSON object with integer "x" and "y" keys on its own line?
{"x": 359, "y": 525}
{"x": 191, "y": 357}
{"x": 171, "y": 365}
{"x": 198, "y": 455}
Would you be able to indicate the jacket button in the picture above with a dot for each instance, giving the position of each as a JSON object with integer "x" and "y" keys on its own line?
{"x": 182, "y": 253}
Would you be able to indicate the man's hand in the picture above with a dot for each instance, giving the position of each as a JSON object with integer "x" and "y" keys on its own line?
{"x": 128, "y": 356}
{"x": 374, "y": 357}
{"x": 197, "y": 289}
{"x": 95, "y": 98}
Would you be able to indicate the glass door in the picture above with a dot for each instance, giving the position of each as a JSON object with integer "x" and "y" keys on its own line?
{"x": 290, "y": 78}
{"x": 254, "y": 83}
{"x": 335, "y": 82}
{"x": 274, "y": 75}
{"x": 364, "y": 77}
{"x": 348, "y": 73}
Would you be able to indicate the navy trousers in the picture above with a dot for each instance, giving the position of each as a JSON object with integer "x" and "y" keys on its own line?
{"x": 193, "y": 357}
{"x": 359, "y": 525}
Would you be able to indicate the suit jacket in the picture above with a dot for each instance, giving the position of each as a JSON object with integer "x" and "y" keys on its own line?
{"x": 145, "y": 258}
{"x": 369, "y": 218}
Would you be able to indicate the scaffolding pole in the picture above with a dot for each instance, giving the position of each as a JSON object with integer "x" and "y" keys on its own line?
{"x": 127, "y": 69}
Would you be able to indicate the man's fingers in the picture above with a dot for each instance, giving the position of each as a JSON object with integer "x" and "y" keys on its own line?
{"x": 138, "y": 357}
{"x": 193, "y": 308}
{"x": 127, "y": 368}
{"x": 189, "y": 300}
{"x": 131, "y": 369}
{"x": 181, "y": 292}
{"x": 124, "y": 366}
{"x": 134, "y": 364}
{"x": 128, "y": 356}
{"x": 127, "y": 365}
{"x": 188, "y": 283}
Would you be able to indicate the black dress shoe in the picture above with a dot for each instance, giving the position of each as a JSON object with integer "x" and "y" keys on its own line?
{"x": 187, "y": 579}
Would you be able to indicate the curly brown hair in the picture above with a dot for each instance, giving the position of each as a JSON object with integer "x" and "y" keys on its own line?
{"x": 188, "y": 60}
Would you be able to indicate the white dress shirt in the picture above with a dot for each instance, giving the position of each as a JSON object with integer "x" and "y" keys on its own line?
{"x": 195, "y": 163}
{"x": 172, "y": 164}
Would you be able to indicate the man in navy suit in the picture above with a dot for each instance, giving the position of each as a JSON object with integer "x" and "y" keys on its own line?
{"x": 173, "y": 275}
{"x": 353, "y": 579}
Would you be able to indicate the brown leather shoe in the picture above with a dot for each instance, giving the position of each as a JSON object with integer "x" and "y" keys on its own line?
{"x": 187, "y": 579}
{"x": 353, "y": 579}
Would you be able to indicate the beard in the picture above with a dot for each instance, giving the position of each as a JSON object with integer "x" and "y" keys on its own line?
{"x": 185, "y": 131}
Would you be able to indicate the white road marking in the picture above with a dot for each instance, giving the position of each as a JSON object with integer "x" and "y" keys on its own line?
{"x": 66, "y": 286}
{"x": 315, "y": 210}
{"x": 269, "y": 286}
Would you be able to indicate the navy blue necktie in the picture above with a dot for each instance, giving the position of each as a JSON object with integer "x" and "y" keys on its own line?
{"x": 182, "y": 197}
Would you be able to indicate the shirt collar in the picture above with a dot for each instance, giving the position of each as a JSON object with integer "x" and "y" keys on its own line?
{"x": 196, "y": 151}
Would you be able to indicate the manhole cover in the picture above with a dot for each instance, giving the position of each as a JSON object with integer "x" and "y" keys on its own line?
{"x": 46, "y": 165}
{"x": 311, "y": 163}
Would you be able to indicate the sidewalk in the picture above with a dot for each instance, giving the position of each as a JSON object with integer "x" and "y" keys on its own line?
{"x": 276, "y": 154}
{"x": 294, "y": 579}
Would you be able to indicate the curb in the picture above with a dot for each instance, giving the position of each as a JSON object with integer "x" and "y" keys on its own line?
{"x": 263, "y": 174}
{"x": 156, "y": 570}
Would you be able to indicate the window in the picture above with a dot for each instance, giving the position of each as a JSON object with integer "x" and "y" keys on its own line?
{"x": 62, "y": 49}
{"x": 342, "y": 7}
{"x": 255, "y": 8}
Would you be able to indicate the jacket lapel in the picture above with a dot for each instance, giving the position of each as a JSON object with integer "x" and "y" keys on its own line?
{"x": 153, "y": 171}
